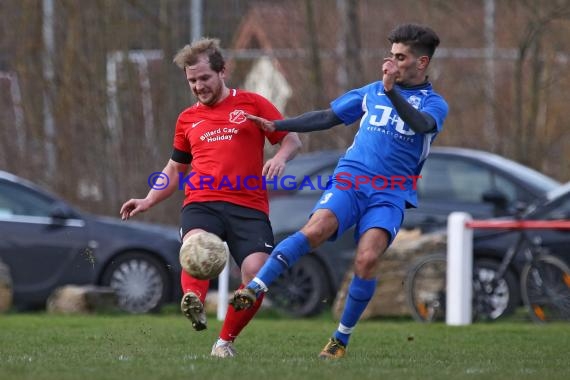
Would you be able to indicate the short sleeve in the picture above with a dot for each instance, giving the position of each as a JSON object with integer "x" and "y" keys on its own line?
{"x": 348, "y": 107}
{"x": 437, "y": 108}
{"x": 181, "y": 142}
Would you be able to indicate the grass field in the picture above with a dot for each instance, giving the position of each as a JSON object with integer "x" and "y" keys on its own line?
{"x": 40, "y": 346}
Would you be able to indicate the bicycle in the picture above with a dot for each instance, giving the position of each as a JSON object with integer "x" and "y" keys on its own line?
{"x": 544, "y": 285}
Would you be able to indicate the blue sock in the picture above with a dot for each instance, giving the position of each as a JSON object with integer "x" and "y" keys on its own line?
{"x": 360, "y": 292}
{"x": 283, "y": 256}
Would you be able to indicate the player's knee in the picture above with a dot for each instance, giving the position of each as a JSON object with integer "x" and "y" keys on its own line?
{"x": 320, "y": 227}
{"x": 366, "y": 261}
{"x": 251, "y": 265}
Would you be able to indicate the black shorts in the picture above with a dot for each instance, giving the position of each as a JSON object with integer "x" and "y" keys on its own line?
{"x": 245, "y": 230}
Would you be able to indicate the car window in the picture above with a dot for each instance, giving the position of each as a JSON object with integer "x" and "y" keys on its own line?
{"x": 461, "y": 181}
{"x": 525, "y": 174}
{"x": 469, "y": 181}
{"x": 436, "y": 182}
{"x": 18, "y": 200}
{"x": 510, "y": 190}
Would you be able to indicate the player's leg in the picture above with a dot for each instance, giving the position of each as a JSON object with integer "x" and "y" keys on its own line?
{"x": 332, "y": 215}
{"x": 322, "y": 225}
{"x": 192, "y": 303}
{"x": 380, "y": 225}
{"x": 235, "y": 321}
{"x": 250, "y": 239}
{"x": 360, "y": 290}
{"x": 195, "y": 218}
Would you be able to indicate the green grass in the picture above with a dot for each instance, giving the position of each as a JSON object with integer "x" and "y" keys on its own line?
{"x": 41, "y": 346}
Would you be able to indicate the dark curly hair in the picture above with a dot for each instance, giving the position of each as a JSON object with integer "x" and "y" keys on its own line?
{"x": 421, "y": 39}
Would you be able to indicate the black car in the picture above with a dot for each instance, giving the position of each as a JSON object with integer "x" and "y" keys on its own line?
{"x": 46, "y": 243}
{"x": 491, "y": 245}
{"x": 453, "y": 179}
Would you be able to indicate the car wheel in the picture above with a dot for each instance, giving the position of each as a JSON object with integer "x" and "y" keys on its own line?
{"x": 498, "y": 297}
{"x": 302, "y": 290}
{"x": 140, "y": 281}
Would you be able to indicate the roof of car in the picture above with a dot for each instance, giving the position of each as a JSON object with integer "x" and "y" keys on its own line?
{"x": 9, "y": 176}
{"x": 24, "y": 182}
{"x": 14, "y": 178}
{"x": 525, "y": 173}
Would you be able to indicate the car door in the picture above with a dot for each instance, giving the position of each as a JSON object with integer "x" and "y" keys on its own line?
{"x": 37, "y": 247}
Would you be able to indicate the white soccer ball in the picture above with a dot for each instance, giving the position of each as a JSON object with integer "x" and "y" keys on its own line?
{"x": 203, "y": 255}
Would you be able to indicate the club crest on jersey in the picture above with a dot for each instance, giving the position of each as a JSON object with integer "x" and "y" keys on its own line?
{"x": 414, "y": 101}
{"x": 237, "y": 117}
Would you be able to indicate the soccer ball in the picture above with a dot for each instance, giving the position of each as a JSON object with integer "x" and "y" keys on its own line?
{"x": 203, "y": 255}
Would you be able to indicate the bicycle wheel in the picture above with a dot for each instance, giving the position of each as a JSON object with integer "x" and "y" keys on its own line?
{"x": 493, "y": 297}
{"x": 426, "y": 288}
{"x": 545, "y": 283}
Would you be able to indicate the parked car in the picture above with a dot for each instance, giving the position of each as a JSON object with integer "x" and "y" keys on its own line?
{"x": 453, "y": 179}
{"x": 47, "y": 243}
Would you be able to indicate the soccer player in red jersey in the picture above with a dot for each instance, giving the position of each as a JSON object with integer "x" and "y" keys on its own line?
{"x": 218, "y": 158}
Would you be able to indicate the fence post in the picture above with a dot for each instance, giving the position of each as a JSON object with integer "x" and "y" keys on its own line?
{"x": 459, "y": 270}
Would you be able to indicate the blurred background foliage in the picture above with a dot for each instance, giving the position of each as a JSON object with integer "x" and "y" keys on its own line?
{"x": 89, "y": 95}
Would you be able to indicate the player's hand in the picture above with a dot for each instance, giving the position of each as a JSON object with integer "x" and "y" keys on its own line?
{"x": 263, "y": 124}
{"x": 389, "y": 73}
{"x": 132, "y": 207}
{"x": 274, "y": 167}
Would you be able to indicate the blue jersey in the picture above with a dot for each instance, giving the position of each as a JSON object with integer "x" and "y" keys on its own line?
{"x": 385, "y": 146}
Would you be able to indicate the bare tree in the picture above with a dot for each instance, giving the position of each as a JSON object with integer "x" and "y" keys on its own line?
{"x": 349, "y": 45}
{"x": 527, "y": 119}
{"x": 316, "y": 71}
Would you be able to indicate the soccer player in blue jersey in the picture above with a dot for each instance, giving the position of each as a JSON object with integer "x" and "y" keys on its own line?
{"x": 399, "y": 118}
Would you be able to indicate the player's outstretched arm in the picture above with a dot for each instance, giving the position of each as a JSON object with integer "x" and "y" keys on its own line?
{"x": 170, "y": 174}
{"x": 307, "y": 122}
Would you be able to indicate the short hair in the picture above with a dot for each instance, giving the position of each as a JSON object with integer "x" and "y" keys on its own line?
{"x": 189, "y": 55}
{"x": 421, "y": 39}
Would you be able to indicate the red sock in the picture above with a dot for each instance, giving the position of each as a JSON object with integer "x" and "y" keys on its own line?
{"x": 191, "y": 284}
{"x": 235, "y": 321}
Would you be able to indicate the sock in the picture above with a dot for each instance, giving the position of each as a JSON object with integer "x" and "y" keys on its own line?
{"x": 191, "y": 284}
{"x": 360, "y": 292}
{"x": 283, "y": 256}
{"x": 235, "y": 321}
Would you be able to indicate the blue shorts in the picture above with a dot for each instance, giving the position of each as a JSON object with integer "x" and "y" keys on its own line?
{"x": 364, "y": 207}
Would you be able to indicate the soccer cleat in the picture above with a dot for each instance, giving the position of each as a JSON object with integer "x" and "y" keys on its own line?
{"x": 243, "y": 299}
{"x": 193, "y": 309}
{"x": 333, "y": 350}
{"x": 223, "y": 350}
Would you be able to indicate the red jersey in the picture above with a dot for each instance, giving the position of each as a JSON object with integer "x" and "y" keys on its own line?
{"x": 226, "y": 149}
